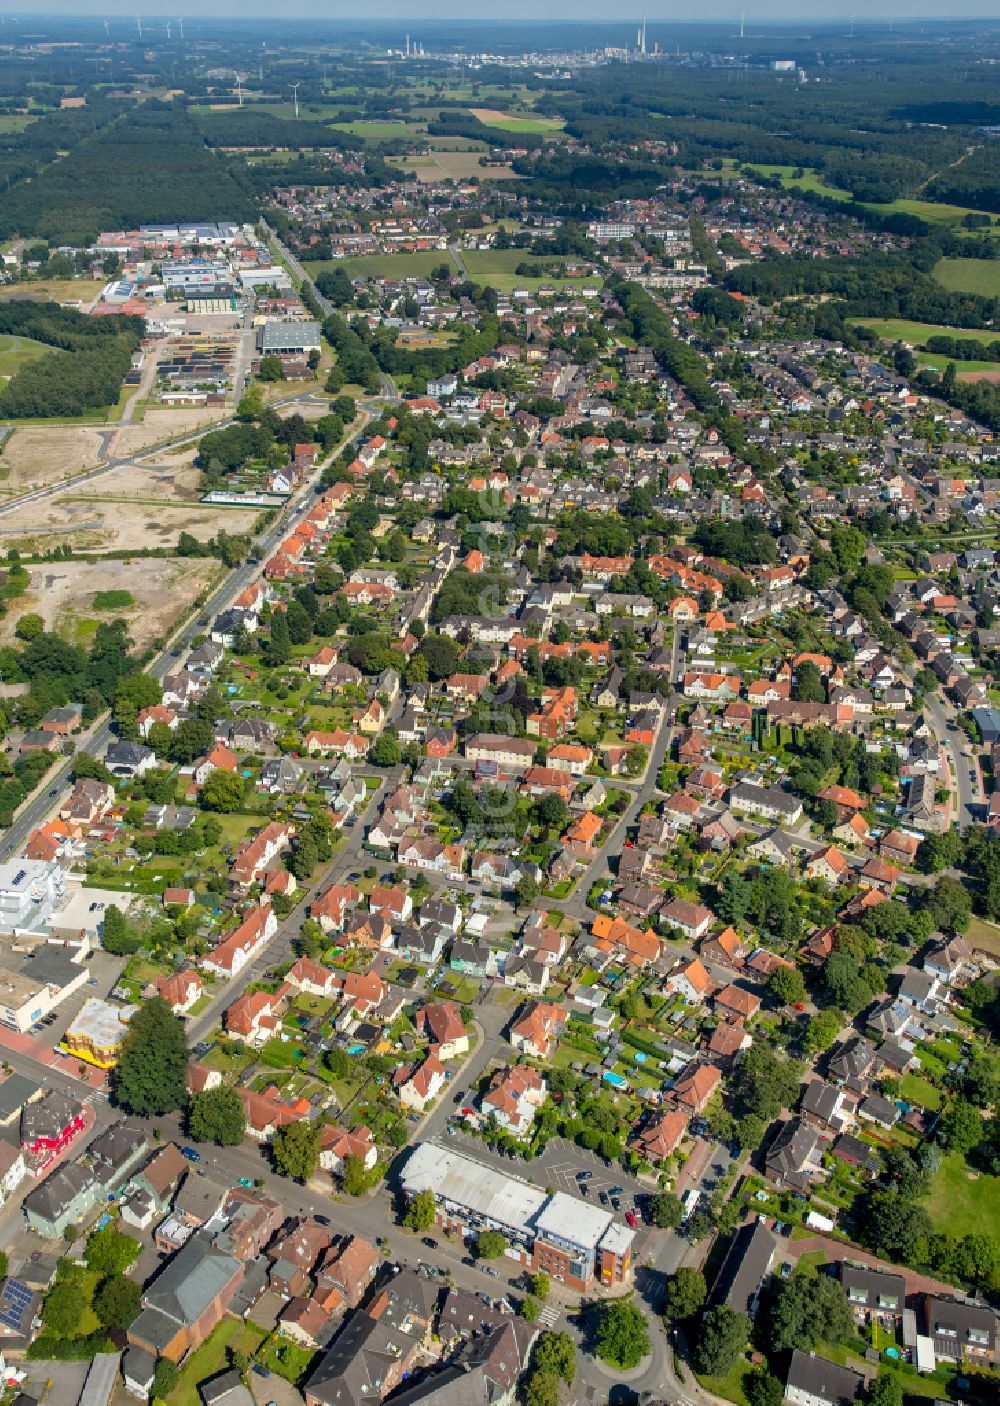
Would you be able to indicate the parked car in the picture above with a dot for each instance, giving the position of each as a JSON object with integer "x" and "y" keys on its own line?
{"x": 630, "y": 1217}
{"x": 191, "y": 1154}
{"x": 488, "y": 1269}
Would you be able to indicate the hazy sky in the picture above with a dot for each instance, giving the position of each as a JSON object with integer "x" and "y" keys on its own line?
{"x": 800, "y": 12}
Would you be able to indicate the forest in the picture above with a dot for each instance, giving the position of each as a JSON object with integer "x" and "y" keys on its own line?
{"x": 243, "y": 127}
{"x": 85, "y": 372}
{"x": 149, "y": 166}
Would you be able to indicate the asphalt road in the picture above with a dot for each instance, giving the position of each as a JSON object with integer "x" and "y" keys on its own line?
{"x": 962, "y": 759}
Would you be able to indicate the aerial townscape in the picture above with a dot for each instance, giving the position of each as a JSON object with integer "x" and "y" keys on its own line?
{"x": 500, "y": 701}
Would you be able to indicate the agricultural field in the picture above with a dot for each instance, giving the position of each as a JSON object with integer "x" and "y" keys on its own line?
{"x": 442, "y": 164}
{"x": 495, "y": 268}
{"x": 809, "y": 180}
{"x": 969, "y": 276}
{"x": 916, "y": 333}
{"x": 64, "y": 594}
{"x": 372, "y": 133}
{"x": 518, "y": 122}
{"x": 417, "y": 265}
{"x": 33, "y": 456}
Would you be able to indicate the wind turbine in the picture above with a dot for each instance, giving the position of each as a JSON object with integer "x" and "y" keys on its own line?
{"x": 168, "y": 31}
{"x": 742, "y": 18}
{"x": 138, "y": 25}
{"x": 239, "y": 89}
{"x": 181, "y": 24}
{"x": 852, "y": 26}
{"x": 106, "y": 29}
{"x": 295, "y": 94}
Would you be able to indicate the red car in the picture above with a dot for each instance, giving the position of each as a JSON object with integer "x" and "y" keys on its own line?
{"x": 630, "y": 1217}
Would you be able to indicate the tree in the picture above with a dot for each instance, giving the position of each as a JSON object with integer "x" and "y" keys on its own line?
{"x": 762, "y": 1388}
{"x": 750, "y": 1131}
{"x": 845, "y": 984}
{"x": 217, "y": 1115}
{"x": 526, "y": 890}
{"x": 540, "y": 1285}
{"x": 296, "y": 1150}
{"x": 893, "y": 1226}
{"x": 808, "y": 1309}
{"x": 686, "y": 1293}
{"x": 386, "y": 751}
{"x": 117, "y": 934}
{"x": 338, "y": 1062}
{"x": 787, "y": 986}
{"x": 961, "y": 1127}
{"x": 164, "y": 1378}
{"x": 666, "y": 1210}
{"x": 885, "y": 1390}
{"x": 822, "y": 1030}
{"x": 109, "y": 1252}
{"x": 555, "y": 1353}
{"x": 222, "y": 791}
{"x": 767, "y": 1084}
{"x": 724, "y": 1335}
{"x": 63, "y": 1309}
{"x": 421, "y": 1212}
{"x": 809, "y": 683}
{"x": 622, "y": 1334}
{"x": 29, "y": 627}
{"x": 530, "y": 1308}
{"x": 151, "y": 1075}
{"x": 541, "y": 1389}
{"x": 117, "y": 1301}
{"x": 191, "y": 738}
{"x": 490, "y": 1245}
{"x": 950, "y": 905}
{"x": 354, "y": 1178}
{"x": 270, "y": 369}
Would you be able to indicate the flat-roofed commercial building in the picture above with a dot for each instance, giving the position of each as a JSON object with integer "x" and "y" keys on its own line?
{"x": 572, "y": 1241}
{"x": 96, "y": 1033}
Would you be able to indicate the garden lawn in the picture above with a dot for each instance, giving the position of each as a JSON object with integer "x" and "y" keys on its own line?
{"x": 210, "y": 1358}
{"x": 729, "y": 1387}
{"x": 960, "y": 1203}
{"x": 917, "y": 1090}
{"x": 286, "y": 1358}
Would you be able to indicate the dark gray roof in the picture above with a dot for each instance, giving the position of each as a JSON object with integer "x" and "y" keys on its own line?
{"x": 15, "y": 1091}
{"x": 815, "y": 1375}
{"x": 189, "y": 1282}
{"x": 872, "y": 1287}
{"x": 58, "y": 1191}
{"x": 744, "y": 1268}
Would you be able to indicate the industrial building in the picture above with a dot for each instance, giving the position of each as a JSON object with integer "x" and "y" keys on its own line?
{"x": 288, "y": 338}
{"x": 573, "y": 1242}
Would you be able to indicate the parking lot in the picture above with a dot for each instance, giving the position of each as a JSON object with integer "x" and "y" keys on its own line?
{"x": 563, "y": 1166}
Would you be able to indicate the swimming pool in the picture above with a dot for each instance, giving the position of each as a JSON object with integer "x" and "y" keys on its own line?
{"x": 355, "y": 1049}
{"x": 610, "y": 1077}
